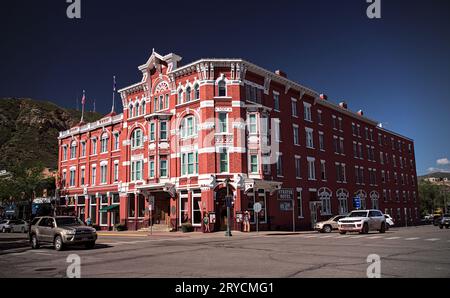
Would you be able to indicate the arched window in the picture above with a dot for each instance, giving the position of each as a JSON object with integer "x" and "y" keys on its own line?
{"x": 180, "y": 97}
{"x": 137, "y": 110}
{"x": 104, "y": 143}
{"x": 188, "y": 94}
{"x": 136, "y": 138}
{"x": 196, "y": 92}
{"x": 222, "y": 88}
{"x": 324, "y": 195}
{"x": 167, "y": 101}
{"x": 73, "y": 150}
{"x": 130, "y": 109}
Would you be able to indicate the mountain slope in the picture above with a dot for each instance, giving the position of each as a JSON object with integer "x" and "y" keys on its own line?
{"x": 29, "y": 131}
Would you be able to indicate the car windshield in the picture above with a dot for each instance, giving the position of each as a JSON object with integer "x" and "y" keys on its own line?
{"x": 68, "y": 221}
{"x": 358, "y": 214}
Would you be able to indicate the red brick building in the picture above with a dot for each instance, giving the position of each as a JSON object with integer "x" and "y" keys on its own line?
{"x": 185, "y": 129}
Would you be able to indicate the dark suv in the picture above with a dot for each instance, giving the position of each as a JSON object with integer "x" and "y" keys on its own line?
{"x": 445, "y": 221}
{"x": 61, "y": 231}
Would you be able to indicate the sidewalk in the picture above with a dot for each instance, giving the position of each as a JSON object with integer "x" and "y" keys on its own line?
{"x": 199, "y": 234}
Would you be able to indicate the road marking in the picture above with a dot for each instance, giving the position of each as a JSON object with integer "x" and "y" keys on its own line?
{"x": 432, "y": 239}
{"x": 375, "y": 237}
{"x": 411, "y": 239}
{"x": 311, "y": 236}
{"x": 392, "y": 238}
{"x": 329, "y": 236}
{"x": 357, "y": 237}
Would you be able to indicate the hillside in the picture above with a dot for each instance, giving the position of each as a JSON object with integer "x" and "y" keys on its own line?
{"x": 29, "y": 131}
{"x": 435, "y": 175}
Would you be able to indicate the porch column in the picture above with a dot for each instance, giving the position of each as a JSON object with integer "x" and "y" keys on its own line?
{"x": 136, "y": 211}
{"x": 108, "y": 214}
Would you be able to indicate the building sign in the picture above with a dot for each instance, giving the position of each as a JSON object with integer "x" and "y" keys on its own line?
{"x": 286, "y": 194}
{"x": 286, "y": 206}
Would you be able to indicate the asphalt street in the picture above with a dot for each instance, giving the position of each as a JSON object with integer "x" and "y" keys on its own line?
{"x": 422, "y": 252}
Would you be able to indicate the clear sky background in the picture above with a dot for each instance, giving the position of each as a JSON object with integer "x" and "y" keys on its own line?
{"x": 397, "y": 69}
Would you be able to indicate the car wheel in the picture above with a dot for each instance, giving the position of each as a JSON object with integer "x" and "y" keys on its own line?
{"x": 342, "y": 232}
{"x": 3, "y": 230}
{"x": 447, "y": 227}
{"x": 59, "y": 245}
{"x": 388, "y": 226}
{"x": 327, "y": 229}
{"x": 383, "y": 228}
{"x": 34, "y": 242}
{"x": 365, "y": 229}
{"x": 90, "y": 245}
{"x": 441, "y": 227}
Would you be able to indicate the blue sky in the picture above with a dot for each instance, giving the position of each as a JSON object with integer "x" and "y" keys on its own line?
{"x": 397, "y": 68}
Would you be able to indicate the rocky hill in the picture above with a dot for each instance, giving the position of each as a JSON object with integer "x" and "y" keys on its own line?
{"x": 29, "y": 131}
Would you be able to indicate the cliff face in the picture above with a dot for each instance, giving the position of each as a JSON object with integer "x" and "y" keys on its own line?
{"x": 29, "y": 131}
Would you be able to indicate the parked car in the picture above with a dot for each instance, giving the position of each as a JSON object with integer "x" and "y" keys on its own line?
{"x": 445, "y": 221}
{"x": 61, "y": 231}
{"x": 5, "y": 225}
{"x": 329, "y": 225}
{"x": 389, "y": 221}
{"x": 363, "y": 221}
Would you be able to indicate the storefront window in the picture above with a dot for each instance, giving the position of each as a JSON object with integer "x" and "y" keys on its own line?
{"x": 93, "y": 210}
{"x": 184, "y": 211}
{"x": 196, "y": 208}
{"x": 141, "y": 206}
{"x": 104, "y": 215}
{"x": 131, "y": 206}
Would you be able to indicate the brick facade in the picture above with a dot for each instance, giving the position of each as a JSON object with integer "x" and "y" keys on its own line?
{"x": 185, "y": 129}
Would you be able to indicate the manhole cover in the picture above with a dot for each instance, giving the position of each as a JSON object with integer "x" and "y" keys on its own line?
{"x": 45, "y": 269}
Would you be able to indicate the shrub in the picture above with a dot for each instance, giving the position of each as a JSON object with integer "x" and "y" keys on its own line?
{"x": 120, "y": 227}
{"x": 187, "y": 228}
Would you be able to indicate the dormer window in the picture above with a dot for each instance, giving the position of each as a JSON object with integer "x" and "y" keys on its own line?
{"x": 222, "y": 88}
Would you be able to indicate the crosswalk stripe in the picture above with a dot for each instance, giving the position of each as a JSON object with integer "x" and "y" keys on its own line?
{"x": 392, "y": 238}
{"x": 414, "y": 238}
{"x": 375, "y": 237}
{"x": 432, "y": 239}
{"x": 329, "y": 236}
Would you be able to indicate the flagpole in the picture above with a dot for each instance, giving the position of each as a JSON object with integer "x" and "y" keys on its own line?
{"x": 83, "y": 100}
{"x": 114, "y": 94}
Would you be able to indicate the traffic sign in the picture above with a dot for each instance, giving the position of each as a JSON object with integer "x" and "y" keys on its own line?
{"x": 257, "y": 207}
{"x": 357, "y": 203}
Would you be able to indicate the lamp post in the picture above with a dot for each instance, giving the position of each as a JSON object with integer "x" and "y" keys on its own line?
{"x": 228, "y": 203}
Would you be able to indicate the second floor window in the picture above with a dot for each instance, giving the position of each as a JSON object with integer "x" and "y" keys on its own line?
{"x": 72, "y": 178}
{"x": 163, "y": 130}
{"x": 116, "y": 172}
{"x": 83, "y": 173}
{"x": 152, "y": 131}
{"x": 93, "y": 175}
{"x": 136, "y": 170}
{"x": 224, "y": 167}
{"x": 309, "y": 138}
{"x": 103, "y": 172}
{"x": 163, "y": 167}
{"x": 136, "y": 138}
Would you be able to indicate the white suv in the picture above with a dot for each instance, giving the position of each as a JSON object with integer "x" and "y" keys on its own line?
{"x": 363, "y": 221}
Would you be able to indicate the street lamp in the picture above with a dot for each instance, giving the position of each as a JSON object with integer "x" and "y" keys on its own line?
{"x": 228, "y": 202}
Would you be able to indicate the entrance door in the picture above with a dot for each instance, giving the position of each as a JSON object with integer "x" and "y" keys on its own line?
{"x": 221, "y": 210}
{"x": 161, "y": 212}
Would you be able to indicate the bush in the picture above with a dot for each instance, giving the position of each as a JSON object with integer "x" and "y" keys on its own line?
{"x": 120, "y": 227}
{"x": 187, "y": 228}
